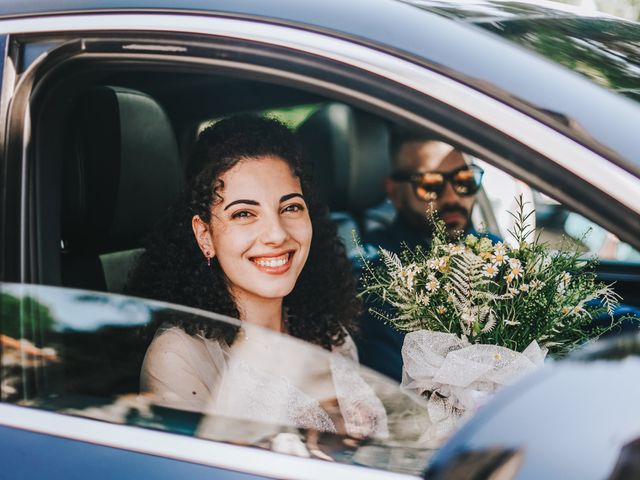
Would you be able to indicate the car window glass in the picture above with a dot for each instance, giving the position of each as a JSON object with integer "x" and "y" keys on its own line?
{"x": 553, "y": 222}
{"x": 80, "y": 353}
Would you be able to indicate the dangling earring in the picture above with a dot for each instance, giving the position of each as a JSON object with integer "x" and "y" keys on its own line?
{"x": 208, "y": 255}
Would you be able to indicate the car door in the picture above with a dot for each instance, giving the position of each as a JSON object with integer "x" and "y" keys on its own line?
{"x": 146, "y": 52}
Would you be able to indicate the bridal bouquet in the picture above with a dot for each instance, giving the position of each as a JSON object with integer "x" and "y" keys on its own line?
{"x": 479, "y": 314}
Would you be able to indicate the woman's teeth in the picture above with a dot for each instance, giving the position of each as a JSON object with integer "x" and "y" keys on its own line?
{"x": 272, "y": 262}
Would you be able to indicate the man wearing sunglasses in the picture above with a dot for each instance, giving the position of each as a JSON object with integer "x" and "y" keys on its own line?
{"x": 425, "y": 175}
{"x": 430, "y": 175}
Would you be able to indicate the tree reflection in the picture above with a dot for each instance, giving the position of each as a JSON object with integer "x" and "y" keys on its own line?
{"x": 605, "y": 51}
{"x": 24, "y": 354}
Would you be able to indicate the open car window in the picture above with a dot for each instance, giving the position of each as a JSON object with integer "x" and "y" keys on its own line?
{"x": 80, "y": 353}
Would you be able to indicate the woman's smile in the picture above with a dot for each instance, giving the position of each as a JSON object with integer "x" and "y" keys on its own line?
{"x": 276, "y": 264}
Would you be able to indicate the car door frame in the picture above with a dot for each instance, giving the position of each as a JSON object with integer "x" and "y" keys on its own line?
{"x": 371, "y": 79}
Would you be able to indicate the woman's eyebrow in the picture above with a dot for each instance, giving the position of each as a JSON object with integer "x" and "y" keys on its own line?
{"x": 245, "y": 201}
{"x": 284, "y": 198}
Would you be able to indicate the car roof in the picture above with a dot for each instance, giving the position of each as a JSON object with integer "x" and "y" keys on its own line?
{"x": 425, "y": 35}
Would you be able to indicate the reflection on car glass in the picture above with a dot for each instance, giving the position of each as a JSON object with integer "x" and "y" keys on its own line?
{"x": 269, "y": 383}
{"x": 598, "y": 241}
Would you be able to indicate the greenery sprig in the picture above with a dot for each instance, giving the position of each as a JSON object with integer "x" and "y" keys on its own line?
{"x": 493, "y": 293}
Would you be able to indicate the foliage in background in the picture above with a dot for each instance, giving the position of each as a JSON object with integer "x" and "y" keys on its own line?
{"x": 629, "y": 9}
{"x": 24, "y": 317}
{"x": 492, "y": 294}
{"x": 290, "y": 116}
{"x": 293, "y": 116}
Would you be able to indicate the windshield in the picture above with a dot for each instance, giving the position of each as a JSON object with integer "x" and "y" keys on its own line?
{"x": 606, "y": 51}
{"x": 127, "y": 361}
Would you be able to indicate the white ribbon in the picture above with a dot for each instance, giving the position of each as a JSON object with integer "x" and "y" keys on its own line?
{"x": 455, "y": 377}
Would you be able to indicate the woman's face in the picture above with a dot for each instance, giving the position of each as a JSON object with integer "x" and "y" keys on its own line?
{"x": 260, "y": 231}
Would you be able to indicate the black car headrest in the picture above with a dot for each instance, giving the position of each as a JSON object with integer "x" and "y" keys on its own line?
{"x": 122, "y": 169}
{"x": 349, "y": 153}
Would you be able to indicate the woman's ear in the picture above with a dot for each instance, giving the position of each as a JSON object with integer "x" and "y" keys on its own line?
{"x": 202, "y": 233}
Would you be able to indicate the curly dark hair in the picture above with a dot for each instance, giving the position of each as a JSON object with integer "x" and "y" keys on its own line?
{"x": 323, "y": 305}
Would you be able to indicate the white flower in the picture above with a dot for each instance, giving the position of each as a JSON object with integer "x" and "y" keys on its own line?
{"x": 490, "y": 270}
{"x": 516, "y": 268}
{"x": 499, "y": 258}
{"x": 433, "y": 264}
{"x": 513, "y": 291}
{"x": 467, "y": 318}
{"x": 408, "y": 275}
{"x": 422, "y": 299}
{"x": 500, "y": 247}
{"x": 515, "y": 263}
{"x": 432, "y": 284}
{"x": 524, "y": 287}
{"x": 536, "y": 284}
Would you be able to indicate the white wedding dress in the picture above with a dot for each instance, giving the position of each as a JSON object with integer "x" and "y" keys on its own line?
{"x": 263, "y": 377}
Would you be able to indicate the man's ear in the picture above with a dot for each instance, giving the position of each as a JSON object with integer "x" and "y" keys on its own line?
{"x": 202, "y": 233}
{"x": 393, "y": 194}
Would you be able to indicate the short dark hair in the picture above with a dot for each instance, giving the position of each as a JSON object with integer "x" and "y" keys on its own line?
{"x": 323, "y": 305}
{"x": 401, "y": 135}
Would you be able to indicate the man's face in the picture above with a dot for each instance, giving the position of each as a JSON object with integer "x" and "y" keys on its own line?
{"x": 430, "y": 156}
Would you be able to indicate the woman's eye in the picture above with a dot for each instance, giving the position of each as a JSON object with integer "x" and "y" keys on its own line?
{"x": 242, "y": 214}
{"x": 293, "y": 208}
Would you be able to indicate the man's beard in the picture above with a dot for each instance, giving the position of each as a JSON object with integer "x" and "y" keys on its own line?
{"x": 424, "y": 226}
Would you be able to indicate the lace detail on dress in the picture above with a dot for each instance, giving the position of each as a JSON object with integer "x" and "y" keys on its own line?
{"x": 264, "y": 377}
{"x": 362, "y": 411}
{"x": 251, "y": 394}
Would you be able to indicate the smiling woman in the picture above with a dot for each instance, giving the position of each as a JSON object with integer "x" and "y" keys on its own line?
{"x": 250, "y": 240}
{"x": 260, "y": 233}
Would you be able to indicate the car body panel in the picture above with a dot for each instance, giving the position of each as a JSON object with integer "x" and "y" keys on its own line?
{"x": 28, "y": 454}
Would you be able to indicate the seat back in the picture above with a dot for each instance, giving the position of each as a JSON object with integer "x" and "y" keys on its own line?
{"x": 349, "y": 153}
{"x": 122, "y": 170}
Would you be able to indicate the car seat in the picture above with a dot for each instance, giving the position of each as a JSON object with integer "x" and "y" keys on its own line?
{"x": 349, "y": 154}
{"x": 122, "y": 170}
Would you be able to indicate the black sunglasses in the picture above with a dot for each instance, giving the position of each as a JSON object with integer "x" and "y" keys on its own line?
{"x": 428, "y": 186}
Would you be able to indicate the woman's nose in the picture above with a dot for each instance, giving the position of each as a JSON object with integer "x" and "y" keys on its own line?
{"x": 274, "y": 232}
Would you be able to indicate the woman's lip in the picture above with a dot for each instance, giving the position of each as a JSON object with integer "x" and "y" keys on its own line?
{"x": 273, "y": 264}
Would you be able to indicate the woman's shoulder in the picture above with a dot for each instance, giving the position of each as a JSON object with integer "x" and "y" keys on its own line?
{"x": 171, "y": 338}
{"x": 348, "y": 348}
{"x": 171, "y": 342}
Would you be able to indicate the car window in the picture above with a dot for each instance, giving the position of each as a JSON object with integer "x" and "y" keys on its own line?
{"x": 80, "y": 353}
{"x": 553, "y": 222}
